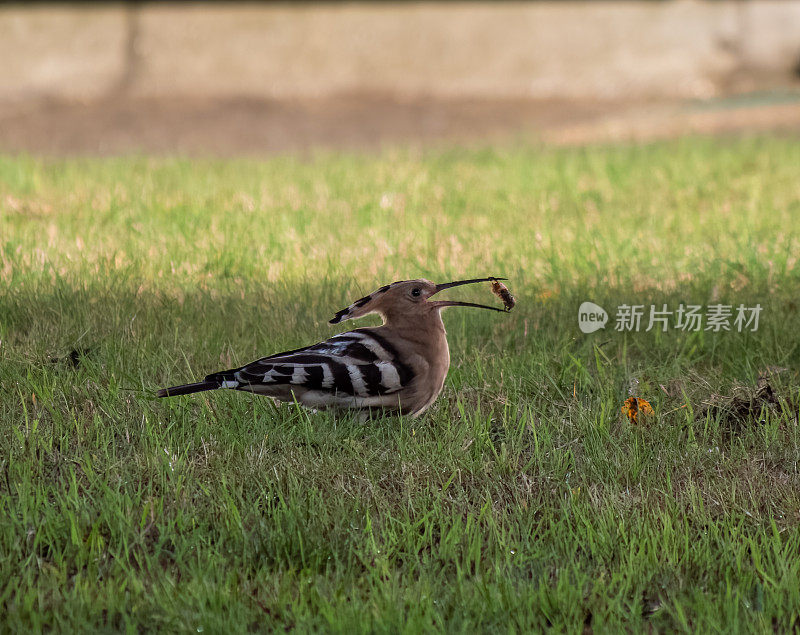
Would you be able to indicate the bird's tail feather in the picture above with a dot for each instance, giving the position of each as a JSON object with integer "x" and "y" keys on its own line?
{"x": 188, "y": 389}
{"x": 224, "y": 379}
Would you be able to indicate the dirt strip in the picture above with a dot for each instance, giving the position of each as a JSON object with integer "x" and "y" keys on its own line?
{"x": 248, "y": 127}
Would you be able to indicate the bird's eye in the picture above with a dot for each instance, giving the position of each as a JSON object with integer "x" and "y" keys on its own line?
{"x": 415, "y": 292}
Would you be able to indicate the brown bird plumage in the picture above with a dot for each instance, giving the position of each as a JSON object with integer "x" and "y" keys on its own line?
{"x": 399, "y": 366}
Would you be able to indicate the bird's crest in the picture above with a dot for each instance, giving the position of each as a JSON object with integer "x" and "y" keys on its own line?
{"x": 361, "y": 307}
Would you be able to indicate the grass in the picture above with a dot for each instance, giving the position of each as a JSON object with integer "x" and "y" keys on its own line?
{"x": 522, "y": 499}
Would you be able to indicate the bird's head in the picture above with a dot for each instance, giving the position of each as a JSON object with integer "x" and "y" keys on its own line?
{"x": 407, "y": 299}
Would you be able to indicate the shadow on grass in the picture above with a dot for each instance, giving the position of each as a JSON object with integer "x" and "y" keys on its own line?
{"x": 524, "y": 477}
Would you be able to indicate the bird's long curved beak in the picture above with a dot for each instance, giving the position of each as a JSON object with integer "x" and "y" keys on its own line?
{"x": 458, "y": 283}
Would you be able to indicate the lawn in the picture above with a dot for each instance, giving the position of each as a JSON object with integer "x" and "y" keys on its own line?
{"x": 523, "y": 498}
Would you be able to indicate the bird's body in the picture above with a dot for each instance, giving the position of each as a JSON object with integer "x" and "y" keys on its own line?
{"x": 399, "y": 366}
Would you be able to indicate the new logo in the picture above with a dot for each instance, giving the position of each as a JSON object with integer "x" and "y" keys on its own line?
{"x": 591, "y": 317}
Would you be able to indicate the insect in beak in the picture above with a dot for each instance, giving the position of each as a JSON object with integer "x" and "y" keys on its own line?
{"x": 457, "y": 283}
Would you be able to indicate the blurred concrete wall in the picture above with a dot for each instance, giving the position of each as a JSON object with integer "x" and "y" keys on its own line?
{"x": 575, "y": 49}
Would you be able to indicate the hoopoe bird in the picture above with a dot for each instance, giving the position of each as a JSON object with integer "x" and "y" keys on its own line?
{"x": 399, "y": 366}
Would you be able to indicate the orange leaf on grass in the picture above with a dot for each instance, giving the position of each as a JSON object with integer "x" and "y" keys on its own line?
{"x": 634, "y": 407}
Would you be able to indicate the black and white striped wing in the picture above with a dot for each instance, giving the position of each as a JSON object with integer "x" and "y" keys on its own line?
{"x": 355, "y": 369}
